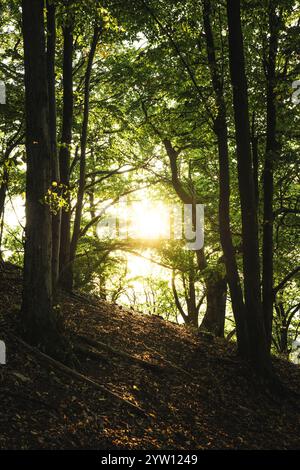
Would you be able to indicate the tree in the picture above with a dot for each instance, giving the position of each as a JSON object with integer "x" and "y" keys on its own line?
{"x": 51, "y": 48}
{"x": 215, "y": 282}
{"x": 270, "y": 157}
{"x": 38, "y": 317}
{"x": 257, "y": 342}
{"x": 191, "y": 314}
{"x": 65, "y": 277}
{"x": 83, "y": 145}
{"x": 221, "y": 131}
{"x": 153, "y": 109}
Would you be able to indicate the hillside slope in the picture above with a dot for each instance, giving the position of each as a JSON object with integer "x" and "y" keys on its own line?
{"x": 192, "y": 391}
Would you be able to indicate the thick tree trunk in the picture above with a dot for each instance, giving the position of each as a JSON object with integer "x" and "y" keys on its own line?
{"x": 221, "y": 131}
{"x": 216, "y": 290}
{"x": 258, "y": 350}
{"x": 51, "y": 45}
{"x": 214, "y": 318}
{"x": 37, "y": 314}
{"x": 65, "y": 280}
{"x": 192, "y": 318}
{"x": 83, "y": 145}
{"x": 271, "y": 148}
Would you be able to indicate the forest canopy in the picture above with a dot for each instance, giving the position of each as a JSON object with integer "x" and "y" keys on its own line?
{"x": 119, "y": 115}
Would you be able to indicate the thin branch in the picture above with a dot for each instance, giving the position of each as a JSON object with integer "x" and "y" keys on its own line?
{"x": 176, "y": 298}
{"x": 287, "y": 278}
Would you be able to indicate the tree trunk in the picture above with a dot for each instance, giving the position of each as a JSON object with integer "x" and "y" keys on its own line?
{"x": 3, "y": 191}
{"x": 258, "y": 350}
{"x": 65, "y": 280}
{"x": 83, "y": 145}
{"x": 37, "y": 314}
{"x": 51, "y": 45}
{"x": 91, "y": 196}
{"x": 191, "y": 316}
{"x": 284, "y": 339}
{"x": 255, "y": 161}
{"x": 220, "y": 128}
{"x": 271, "y": 148}
{"x": 193, "y": 312}
{"x": 216, "y": 289}
{"x": 214, "y": 318}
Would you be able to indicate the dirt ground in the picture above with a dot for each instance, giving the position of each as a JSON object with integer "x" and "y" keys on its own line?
{"x": 191, "y": 391}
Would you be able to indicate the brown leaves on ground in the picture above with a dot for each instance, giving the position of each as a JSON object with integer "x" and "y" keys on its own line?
{"x": 221, "y": 404}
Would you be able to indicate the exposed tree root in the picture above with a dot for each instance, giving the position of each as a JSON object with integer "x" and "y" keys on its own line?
{"x": 99, "y": 345}
{"x": 73, "y": 373}
{"x": 170, "y": 364}
{"x": 90, "y": 353}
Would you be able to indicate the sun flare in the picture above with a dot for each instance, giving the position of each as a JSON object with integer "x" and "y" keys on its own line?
{"x": 149, "y": 221}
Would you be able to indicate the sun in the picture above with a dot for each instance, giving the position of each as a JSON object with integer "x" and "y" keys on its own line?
{"x": 149, "y": 221}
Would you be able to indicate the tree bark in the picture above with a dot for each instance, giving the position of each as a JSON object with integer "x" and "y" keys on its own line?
{"x": 191, "y": 316}
{"x": 83, "y": 145}
{"x": 255, "y": 161}
{"x": 3, "y": 190}
{"x": 37, "y": 314}
{"x": 65, "y": 280}
{"x": 258, "y": 350}
{"x": 221, "y": 131}
{"x": 214, "y": 318}
{"x": 270, "y": 155}
{"x": 193, "y": 312}
{"x": 51, "y": 46}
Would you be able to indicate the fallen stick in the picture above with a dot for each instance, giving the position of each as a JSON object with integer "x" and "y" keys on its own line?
{"x": 67, "y": 370}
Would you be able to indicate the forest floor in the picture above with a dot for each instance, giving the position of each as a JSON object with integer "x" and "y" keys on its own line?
{"x": 190, "y": 391}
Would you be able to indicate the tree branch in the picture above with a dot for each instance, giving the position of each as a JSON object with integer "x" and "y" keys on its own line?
{"x": 289, "y": 276}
